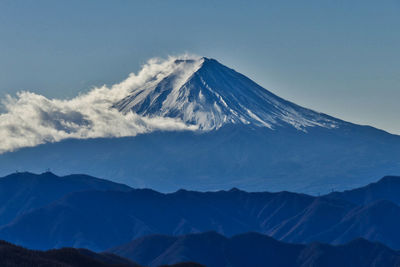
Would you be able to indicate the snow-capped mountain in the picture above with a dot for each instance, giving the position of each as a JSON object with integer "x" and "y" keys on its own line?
{"x": 193, "y": 123}
{"x": 204, "y": 93}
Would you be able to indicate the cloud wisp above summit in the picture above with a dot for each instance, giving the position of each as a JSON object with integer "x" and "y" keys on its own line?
{"x": 29, "y": 119}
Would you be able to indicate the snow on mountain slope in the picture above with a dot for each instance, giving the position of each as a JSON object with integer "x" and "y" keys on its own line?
{"x": 204, "y": 93}
{"x": 180, "y": 93}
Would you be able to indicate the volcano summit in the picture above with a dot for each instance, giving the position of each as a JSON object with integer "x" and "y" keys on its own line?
{"x": 207, "y": 94}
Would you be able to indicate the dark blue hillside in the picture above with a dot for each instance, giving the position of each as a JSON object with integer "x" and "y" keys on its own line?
{"x": 251, "y": 249}
{"x": 15, "y": 256}
{"x": 21, "y": 192}
{"x": 387, "y": 188}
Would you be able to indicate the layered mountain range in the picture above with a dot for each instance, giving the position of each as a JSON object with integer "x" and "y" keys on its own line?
{"x": 86, "y": 212}
{"x": 232, "y": 133}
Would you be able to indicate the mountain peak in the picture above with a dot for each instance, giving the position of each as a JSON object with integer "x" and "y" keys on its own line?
{"x": 206, "y": 94}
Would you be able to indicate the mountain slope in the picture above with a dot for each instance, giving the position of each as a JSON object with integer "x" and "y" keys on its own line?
{"x": 21, "y": 192}
{"x": 232, "y": 156}
{"x": 377, "y": 221}
{"x": 207, "y": 94}
{"x": 253, "y": 249}
{"x": 320, "y": 215}
{"x": 13, "y": 256}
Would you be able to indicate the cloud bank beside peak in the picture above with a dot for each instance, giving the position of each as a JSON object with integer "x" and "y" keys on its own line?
{"x": 30, "y": 119}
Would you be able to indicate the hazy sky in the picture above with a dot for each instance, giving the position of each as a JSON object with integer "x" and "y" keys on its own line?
{"x": 337, "y": 57}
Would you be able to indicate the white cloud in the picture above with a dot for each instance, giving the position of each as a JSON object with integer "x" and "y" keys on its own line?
{"x": 30, "y": 119}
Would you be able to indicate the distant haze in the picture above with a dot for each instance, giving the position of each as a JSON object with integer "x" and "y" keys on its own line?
{"x": 337, "y": 57}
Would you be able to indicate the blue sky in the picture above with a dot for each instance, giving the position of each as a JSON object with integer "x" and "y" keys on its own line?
{"x": 338, "y": 57}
